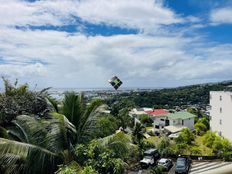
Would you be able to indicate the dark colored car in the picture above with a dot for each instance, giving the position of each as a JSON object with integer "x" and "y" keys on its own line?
{"x": 183, "y": 165}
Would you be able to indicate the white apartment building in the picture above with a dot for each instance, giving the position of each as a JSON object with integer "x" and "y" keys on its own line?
{"x": 221, "y": 113}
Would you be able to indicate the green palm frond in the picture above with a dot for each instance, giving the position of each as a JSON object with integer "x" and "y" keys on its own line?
{"x": 80, "y": 114}
{"x": 53, "y": 103}
{"x": 52, "y": 134}
{"x": 88, "y": 121}
{"x": 17, "y": 157}
{"x": 3, "y": 133}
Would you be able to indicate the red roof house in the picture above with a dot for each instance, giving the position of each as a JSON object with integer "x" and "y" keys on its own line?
{"x": 157, "y": 112}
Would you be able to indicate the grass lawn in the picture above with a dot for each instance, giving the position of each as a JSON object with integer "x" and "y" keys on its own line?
{"x": 153, "y": 140}
{"x": 149, "y": 128}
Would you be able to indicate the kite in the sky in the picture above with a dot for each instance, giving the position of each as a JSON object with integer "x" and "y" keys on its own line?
{"x": 115, "y": 82}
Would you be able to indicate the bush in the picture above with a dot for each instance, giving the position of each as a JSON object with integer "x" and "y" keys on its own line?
{"x": 75, "y": 168}
{"x": 106, "y": 125}
{"x": 186, "y": 136}
{"x": 202, "y": 126}
{"x": 218, "y": 144}
{"x": 146, "y": 120}
{"x": 158, "y": 170}
{"x": 18, "y": 100}
{"x": 100, "y": 158}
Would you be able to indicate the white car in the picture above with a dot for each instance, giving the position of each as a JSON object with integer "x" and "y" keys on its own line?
{"x": 166, "y": 163}
{"x": 147, "y": 161}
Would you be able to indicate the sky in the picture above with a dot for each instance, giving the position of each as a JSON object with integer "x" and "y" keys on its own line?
{"x": 146, "y": 43}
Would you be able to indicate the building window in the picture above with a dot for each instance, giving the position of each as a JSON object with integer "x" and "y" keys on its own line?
{"x": 220, "y": 133}
{"x": 162, "y": 119}
{"x": 182, "y": 122}
{"x": 220, "y": 110}
{"x": 220, "y": 98}
{"x": 220, "y": 121}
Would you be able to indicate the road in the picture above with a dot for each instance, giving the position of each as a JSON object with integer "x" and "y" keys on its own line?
{"x": 217, "y": 167}
{"x": 208, "y": 168}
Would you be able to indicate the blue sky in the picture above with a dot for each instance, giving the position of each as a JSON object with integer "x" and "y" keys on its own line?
{"x": 147, "y": 43}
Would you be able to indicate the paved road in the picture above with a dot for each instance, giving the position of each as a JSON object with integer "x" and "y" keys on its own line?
{"x": 201, "y": 168}
{"x": 209, "y": 167}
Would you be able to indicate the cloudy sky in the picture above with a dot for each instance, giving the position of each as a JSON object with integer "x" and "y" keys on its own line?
{"x": 147, "y": 43}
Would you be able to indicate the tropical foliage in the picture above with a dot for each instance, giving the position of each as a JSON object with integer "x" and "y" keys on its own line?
{"x": 101, "y": 158}
{"x": 81, "y": 115}
{"x": 31, "y": 132}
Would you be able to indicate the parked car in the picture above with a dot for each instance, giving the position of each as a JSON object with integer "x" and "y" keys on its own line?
{"x": 150, "y": 158}
{"x": 166, "y": 163}
{"x": 183, "y": 165}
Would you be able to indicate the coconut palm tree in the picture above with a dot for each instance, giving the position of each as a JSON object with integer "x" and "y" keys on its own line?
{"x": 138, "y": 136}
{"x": 35, "y": 142}
{"x": 35, "y": 145}
{"x": 80, "y": 114}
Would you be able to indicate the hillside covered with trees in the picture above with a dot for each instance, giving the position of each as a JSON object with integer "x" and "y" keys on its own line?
{"x": 169, "y": 97}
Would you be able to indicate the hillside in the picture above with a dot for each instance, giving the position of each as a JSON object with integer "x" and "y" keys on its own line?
{"x": 170, "y": 97}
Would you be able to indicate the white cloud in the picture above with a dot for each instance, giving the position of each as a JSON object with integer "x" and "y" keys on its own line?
{"x": 139, "y": 14}
{"x": 38, "y": 13}
{"x": 140, "y": 60}
{"x": 143, "y": 15}
{"x": 56, "y": 58}
{"x": 221, "y": 15}
{"x": 22, "y": 71}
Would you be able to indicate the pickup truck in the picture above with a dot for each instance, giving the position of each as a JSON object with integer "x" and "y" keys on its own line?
{"x": 150, "y": 158}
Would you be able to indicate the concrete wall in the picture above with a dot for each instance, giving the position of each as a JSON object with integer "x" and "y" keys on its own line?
{"x": 189, "y": 123}
{"x": 159, "y": 120}
{"x": 221, "y": 113}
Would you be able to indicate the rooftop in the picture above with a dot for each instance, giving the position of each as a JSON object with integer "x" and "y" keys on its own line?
{"x": 181, "y": 115}
{"x": 158, "y": 112}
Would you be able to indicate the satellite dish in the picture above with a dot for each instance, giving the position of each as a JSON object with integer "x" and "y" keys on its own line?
{"x": 115, "y": 82}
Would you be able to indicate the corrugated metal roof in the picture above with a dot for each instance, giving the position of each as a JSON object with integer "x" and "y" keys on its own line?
{"x": 181, "y": 115}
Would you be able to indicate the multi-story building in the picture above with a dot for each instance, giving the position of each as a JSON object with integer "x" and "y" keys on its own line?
{"x": 221, "y": 113}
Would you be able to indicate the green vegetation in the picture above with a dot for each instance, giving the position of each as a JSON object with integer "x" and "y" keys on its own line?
{"x": 41, "y": 135}
{"x": 80, "y": 115}
{"x": 59, "y": 136}
{"x": 106, "y": 125}
{"x": 31, "y": 132}
{"x": 168, "y": 98}
{"x": 146, "y": 120}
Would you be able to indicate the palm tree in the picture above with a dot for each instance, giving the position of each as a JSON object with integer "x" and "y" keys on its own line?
{"x": 35, "y": 142}
{"x": 138, "y": 136}
{"x": 31, "y": 139}
{"x": 81, "y": 114}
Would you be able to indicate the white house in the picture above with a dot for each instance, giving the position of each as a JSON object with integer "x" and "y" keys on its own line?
{"x": 172, "y": 122}
{"x": 159, "y": 117}
{"x": 221, "y": 113}
{"x": 136, "y": 112}
{"x": 180, "y": 120}
{"x": 139, "y": 111}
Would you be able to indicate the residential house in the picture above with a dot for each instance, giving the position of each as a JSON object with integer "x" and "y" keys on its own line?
{"x": 159, "y": 117}
{"x": 180, "y": 120}
{"x": 136, "y": 112}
